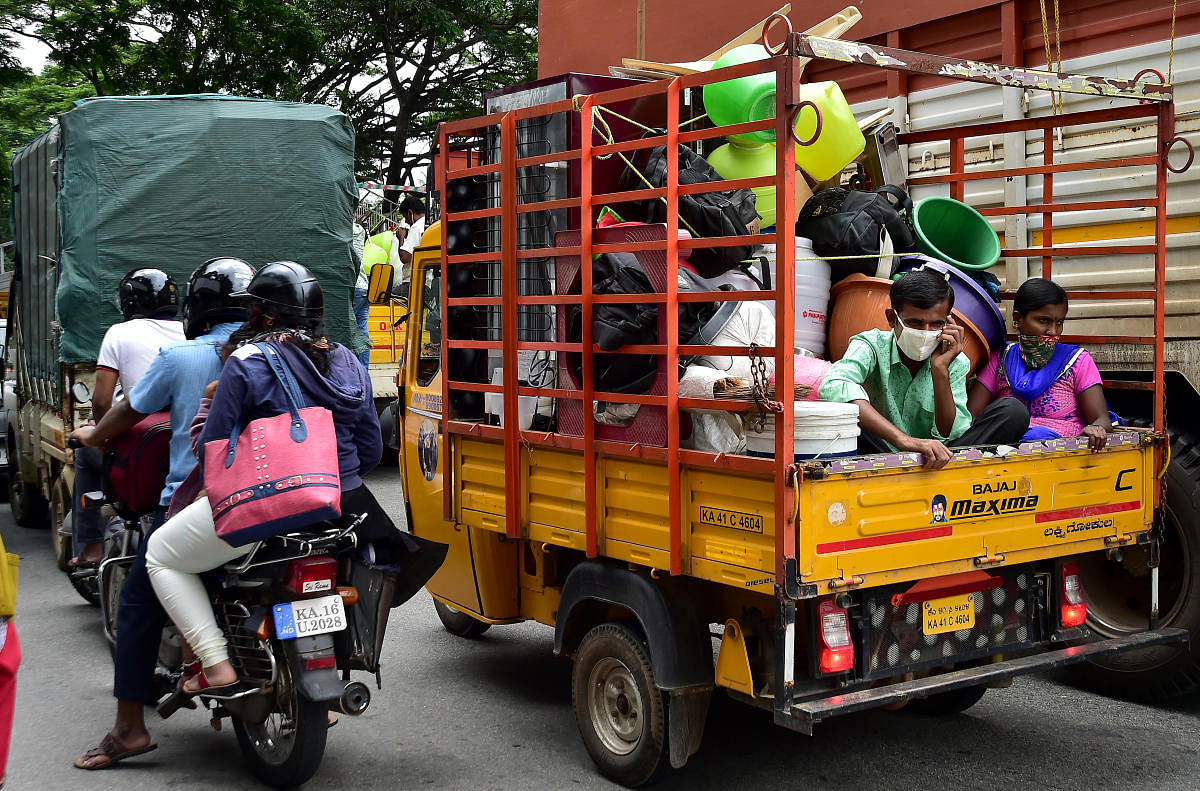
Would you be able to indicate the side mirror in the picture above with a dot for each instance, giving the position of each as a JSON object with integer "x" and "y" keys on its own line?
{"x": 379, "y": 286}
{"x": 80, "y": 392}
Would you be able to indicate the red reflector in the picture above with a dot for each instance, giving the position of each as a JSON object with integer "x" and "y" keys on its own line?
{"x": 312, "y": 576}
{"x": 1073, "y": 611}
{"x": 320, "y": 663}
{"x": 837, "y": 652}
{"x": 1074, "y": 614}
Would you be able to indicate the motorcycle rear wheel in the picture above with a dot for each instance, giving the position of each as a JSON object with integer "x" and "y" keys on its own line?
{"x": 286, "y": 750}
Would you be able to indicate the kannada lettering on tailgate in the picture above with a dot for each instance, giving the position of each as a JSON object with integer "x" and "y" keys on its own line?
{"x": 1074, "y": 528}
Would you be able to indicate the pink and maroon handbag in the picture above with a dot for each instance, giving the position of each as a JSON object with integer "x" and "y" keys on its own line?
{"x": 276, "y": 474}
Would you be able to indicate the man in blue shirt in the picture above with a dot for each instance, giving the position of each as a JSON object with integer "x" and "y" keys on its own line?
{"x": 175, "y": 380}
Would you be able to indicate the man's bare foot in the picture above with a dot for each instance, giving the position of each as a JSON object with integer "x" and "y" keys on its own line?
{"x": 91, "y": 553}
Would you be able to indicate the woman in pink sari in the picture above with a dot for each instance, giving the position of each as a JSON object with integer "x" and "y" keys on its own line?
{"x": 1059, "y": 382}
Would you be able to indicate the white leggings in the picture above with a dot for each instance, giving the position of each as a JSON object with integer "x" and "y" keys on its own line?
{"x": 178, "y": 551}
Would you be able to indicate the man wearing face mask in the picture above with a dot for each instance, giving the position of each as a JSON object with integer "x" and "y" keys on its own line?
{"x": 910, "y": 382}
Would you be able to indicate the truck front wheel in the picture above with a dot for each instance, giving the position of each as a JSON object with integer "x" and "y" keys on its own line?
{"x": 621, "y": 715}
{"x": 29, "y": 508}
{"x": 1118, "y": 595}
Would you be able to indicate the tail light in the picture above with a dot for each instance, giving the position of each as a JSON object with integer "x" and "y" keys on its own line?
{"x": 312, "y": 576}
{"x": 837, "y": 652}
{"x": 1073, "y": 607}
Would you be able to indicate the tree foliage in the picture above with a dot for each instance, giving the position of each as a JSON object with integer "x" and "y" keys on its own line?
{"x": 28, "y": 102}
{"x": 396, "y": 67}
{"x": 400, "y": 68}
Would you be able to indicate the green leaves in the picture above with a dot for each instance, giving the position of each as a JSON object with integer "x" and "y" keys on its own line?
{"x": 396, "y": 67}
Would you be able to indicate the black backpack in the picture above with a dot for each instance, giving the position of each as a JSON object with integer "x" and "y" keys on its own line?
{"x": 710, "y": 214}
{"x": 848, "y": 223}
{"x": 626, "y": 324}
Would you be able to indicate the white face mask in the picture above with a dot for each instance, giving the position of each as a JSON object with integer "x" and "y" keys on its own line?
{"x": 917, "y": 344}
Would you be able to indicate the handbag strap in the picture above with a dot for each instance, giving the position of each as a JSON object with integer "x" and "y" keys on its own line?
{"x": 292, "y": 394}
{"x": 903, "y": 202}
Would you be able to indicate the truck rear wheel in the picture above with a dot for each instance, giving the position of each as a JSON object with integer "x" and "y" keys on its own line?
{"x": 1118, "y": 595}
{"x": 621, "y": 715}
{"x": 459, "y": 623}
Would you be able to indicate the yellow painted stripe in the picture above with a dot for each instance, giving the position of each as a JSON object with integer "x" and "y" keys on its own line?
{"x": 1118, "y": 230}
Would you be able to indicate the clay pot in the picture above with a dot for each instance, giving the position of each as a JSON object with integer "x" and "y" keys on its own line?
{"x": 857, "y": 304}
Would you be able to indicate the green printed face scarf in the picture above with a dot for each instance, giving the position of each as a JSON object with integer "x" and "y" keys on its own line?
{"x": 1036, "y": 350}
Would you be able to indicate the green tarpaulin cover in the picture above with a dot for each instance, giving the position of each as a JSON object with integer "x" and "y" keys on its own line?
{"x": 172, "y": 181}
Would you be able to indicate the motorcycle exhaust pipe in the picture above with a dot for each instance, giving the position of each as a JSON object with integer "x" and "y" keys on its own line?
{"x": 354, "y": 700}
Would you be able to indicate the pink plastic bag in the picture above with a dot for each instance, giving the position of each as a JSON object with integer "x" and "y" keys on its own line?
{"x": 808, "y": 371}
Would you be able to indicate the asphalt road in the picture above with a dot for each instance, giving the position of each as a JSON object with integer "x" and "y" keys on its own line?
{"x": 496, "y": 714}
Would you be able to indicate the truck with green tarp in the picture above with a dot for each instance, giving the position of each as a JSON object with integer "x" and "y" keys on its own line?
{"x": 165, "y": 181}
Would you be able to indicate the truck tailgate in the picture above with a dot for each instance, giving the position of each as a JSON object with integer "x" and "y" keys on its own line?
{"x": 878, "y": 520}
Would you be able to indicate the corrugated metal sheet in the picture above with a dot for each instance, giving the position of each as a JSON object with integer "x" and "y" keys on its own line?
{"x": 970, "y": 103}
{"x": 1087, "y": 27}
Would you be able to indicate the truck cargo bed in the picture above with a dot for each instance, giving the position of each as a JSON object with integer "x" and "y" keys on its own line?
{"x": 1042, "y": 500}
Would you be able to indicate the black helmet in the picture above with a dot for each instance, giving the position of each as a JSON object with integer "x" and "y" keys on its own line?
{"x": 147, "y": 294}
{"x": 213, "y": 294}
{"x": 287, "y": 291}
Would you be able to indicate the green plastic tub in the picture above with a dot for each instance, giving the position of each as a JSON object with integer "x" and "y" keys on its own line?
{"x": 954, "y": 232}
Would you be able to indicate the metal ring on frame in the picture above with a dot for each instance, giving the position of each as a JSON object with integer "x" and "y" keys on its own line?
{"x": 766, "y": 34}
{"x": 795, "y": 116}
{"x": 1191, "y": 153}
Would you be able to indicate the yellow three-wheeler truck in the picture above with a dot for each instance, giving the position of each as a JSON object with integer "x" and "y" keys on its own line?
{"x": 831, "y": 585}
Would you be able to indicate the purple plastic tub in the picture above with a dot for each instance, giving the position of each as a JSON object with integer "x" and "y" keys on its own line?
{"x": 969, "y": 297}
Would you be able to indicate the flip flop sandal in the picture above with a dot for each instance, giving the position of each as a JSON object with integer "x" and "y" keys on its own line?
{"x": 113, "y": 750}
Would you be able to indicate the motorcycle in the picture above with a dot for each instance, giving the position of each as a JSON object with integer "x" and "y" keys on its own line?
{"x": 300, "y": 611}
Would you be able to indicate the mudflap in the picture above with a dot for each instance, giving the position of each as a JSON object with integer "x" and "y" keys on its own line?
{"x": 685, "y": 722}
{"x": 319, "y": 686}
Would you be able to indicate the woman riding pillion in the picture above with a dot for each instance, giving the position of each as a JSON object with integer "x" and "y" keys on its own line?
{"x": 286, "y": 311}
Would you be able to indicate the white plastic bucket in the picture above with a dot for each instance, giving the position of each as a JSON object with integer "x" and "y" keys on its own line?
{"x": 823, "y": 429}
{"x": 811, "y": 296}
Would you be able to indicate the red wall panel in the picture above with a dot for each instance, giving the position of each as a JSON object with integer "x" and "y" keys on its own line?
{"x": 591, "y": 35}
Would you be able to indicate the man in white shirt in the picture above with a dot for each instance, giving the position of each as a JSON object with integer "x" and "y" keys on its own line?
{"x": 412, "y": 209}
{"x": 148, "y": 299}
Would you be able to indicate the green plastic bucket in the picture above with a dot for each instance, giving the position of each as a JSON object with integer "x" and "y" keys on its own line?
{"x": 954, "y": 232}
